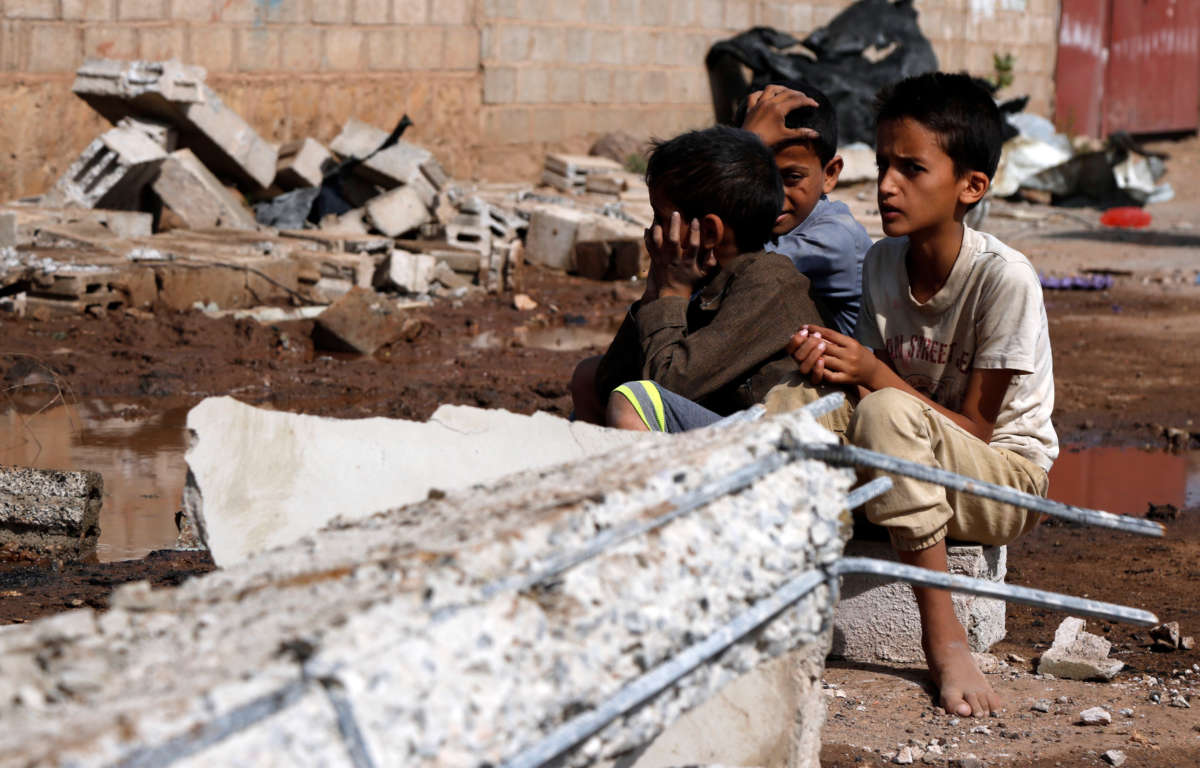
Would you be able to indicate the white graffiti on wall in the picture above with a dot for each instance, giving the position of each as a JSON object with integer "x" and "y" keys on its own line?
{"x": 988, "y": 8}
{"x": 1167, "y": 41}
{"x": 1083, "y": 34}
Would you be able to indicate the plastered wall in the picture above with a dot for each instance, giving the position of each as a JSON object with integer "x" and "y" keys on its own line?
{"x": 491, "y": 84}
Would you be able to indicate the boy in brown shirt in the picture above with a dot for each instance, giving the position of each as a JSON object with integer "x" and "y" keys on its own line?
{"x": 713, "y": 323}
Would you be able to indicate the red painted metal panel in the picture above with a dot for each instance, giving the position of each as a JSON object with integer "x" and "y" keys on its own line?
{"x": 1153, "y": 74}
{"x": 1082, "y": 53}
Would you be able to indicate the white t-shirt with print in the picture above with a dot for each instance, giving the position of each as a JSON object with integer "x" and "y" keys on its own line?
{"x": 988, "y": 315}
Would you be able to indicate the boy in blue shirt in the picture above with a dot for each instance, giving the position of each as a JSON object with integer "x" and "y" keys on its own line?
{"x": 819, "y": 235}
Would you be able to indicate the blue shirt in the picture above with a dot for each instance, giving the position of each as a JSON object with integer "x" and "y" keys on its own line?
{"x": 828, "y": 248}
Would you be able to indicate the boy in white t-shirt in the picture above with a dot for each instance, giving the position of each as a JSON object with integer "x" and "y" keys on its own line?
{"x": 951, "y": 358}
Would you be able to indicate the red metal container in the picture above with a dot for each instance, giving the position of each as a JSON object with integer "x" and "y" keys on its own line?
{"x": 1128, "y": 65}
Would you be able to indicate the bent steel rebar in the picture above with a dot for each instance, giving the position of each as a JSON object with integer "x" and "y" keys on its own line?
{"x": 1007, "y": 592}
{"x": 867, "y": 491}
{"x": 655, "y": 681}
{"x": 849, "y": 455}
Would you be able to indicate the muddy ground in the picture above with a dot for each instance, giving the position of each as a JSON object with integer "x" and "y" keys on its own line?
{"x": 1127, "y": 371}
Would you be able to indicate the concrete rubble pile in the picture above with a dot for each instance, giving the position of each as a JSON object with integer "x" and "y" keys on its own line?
{"x": 165, "y": 192}
{"x": 377, "y": 641}
{"x": 49, "y": 513}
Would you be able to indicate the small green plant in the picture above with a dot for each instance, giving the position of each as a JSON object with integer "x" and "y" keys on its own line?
{"x": 1003, "y": 64}
{"x": 635, "y": 163}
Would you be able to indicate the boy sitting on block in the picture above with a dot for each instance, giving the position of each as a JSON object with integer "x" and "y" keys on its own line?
{"x": 951, "y": 356}
{"x": 819, "y": 235}
{"x": 717, "y": 313}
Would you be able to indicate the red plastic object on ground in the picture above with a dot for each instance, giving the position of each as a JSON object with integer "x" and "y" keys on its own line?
{"x": 1127, "y": 216}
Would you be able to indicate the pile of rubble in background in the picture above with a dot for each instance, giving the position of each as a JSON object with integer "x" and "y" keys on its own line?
{"x": 154, "y": 214}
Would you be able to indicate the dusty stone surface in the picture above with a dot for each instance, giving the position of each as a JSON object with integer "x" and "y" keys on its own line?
{"x": 110, "y": 173}
{"x": 49, "y": 513}
{"x": 362, "y": 321}
{"x": 878, "y": 621}
{"x": 383, "y": 623}
{"x": 192, "y": 192}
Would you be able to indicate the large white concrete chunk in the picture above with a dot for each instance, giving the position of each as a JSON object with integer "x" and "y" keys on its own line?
{"x": 410, "y": 272}
{"x": 190, "y": 190}
{"x": 170, "y": 91}
{"x": 358, "y": 139}
{"x": 261, "y": 478}
{"x": 1078, "y": 655}
{"x": 303, "y": 163}
{"x": 409, "y": 639}
{"x": 110, "y": 173}
{"x": 398, "y": 211}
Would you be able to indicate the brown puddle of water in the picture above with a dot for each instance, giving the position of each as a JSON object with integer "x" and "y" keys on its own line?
{"x": 139, "y": 455}
{"x": 1125, "y": 480}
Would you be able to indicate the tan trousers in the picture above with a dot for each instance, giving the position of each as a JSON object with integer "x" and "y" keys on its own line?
{"x": 916, "y": 514}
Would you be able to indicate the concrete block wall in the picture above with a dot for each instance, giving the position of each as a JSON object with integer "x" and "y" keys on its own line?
{"x": 491, "y": 84}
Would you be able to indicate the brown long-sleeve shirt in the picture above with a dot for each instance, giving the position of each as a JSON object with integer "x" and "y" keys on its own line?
{"x": 723, "y": 348}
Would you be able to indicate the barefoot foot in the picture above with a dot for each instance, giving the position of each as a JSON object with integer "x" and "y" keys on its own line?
{"x": 962, "y": 688}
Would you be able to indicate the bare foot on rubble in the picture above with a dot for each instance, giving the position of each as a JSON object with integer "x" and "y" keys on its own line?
{"x": 962, "y": 688}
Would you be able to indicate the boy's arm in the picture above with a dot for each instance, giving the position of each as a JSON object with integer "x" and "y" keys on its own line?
{"x": 749, "y": 328}
{"x": 828, "y": 356}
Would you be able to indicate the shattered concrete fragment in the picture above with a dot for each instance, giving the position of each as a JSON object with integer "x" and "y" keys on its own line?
{"x": 358, "y": 139}
{"x": 50, "y": 513}
{"x": 8, "y": 229}
{"x": 162, "y": 134}
{"x": 409, "y": 272}
{"x": 396, "y": 212}
{"x": 352, "y": 222}
{"x": 196, "y": 196}
{"x": 403, "y": 164}
{"x": 111, "y": 172}
{"x": 1095, "y": 716}
{"x": 362, "y": 321}
{"x": 449, "y": 278}
{"x": 303, "y": 163}
{"x": 569, "y": 173}
{"x": 1166, "y": 636}
{"x": 1078, "y": 655}
{"x": 1114, "y": 757}
{"x": 172, "y": 92}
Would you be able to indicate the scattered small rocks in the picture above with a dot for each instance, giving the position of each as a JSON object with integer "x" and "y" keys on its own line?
{"x": 1041, "y": 705}
{"x": 968, "y": 761}
{"x": 1167, "y": 637}
{"x": 523, "y": 303}
{"x": 1114, "y": 757}
{"x": 1180, "y": 701}
{"x": 904, "y": 756}
{"x": 1078, "y": 655}
{"x": 1095, "y": 716}
{"x": 982, "y": 729}
{"x": 1127, "y": 712}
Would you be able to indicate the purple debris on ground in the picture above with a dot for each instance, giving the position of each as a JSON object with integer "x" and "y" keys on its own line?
{"x": 1077, "y": 282}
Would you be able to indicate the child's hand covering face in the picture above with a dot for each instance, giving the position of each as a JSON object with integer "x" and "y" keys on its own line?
{"x": 767, "y": 110}
{"x": 677, "y": 263}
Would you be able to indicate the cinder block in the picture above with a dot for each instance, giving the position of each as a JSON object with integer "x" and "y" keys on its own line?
{"x": 566, "y": 86}
{"x": 211, "y": 47}
{"x": 462, "y": 48}
{"x": 508, "y": 43}
{"x": 90, "y": 10}
{"x": 222, "y": 140}
{"x": 162, "y": 134}
{"x": 303, "y": 163}
{"x": 345, "y": 49}
{"x": 387, "y": 49}
{"x": 409, "y": 272}
{"x": 608, "y": 47}
{"x": 8, "y": 229}
{"x": 552, "y": 234}
{"x": 140, "y": 10}
{"x": 158, "y": 43}
{"x": 399, "y": 211}
{"x": 547, "y": 44}
{"x": 187, "y": 10}
{"x": 259, "y": 49}
{"x": 878, "y": 621}
{"x": 597, "y": 86}
{"x": 332, "y": 11}
{"x": 426, "y": 47}
{"x": 533, "y": 85}
{"x": 507, "y": 124}
{"x": 362, "y": 321}
{"x": 197, "y": 197}
{"x": 50, "y": 512}
{"x": 410, "y": 11}
{"x": 110, "y": 40}
{"x": 579, "y": 45}
{"x": 372, "y": 11}
{"x": 301, "y": 48}
{"x": 31, "y": 9}
{"x": 566, "y": 10}
{"x": 110, "y": 173}
{"x": 357, "y": 139}
{"x": 499, "y": 85}
{"x": 450, "y": 12}
{"x": 54, "y": 48}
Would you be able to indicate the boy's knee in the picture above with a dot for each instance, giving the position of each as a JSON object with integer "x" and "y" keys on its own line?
{"x": 621, "y": 414}
{"x": 882, "y": 415}
{"x": 583, "y": 380}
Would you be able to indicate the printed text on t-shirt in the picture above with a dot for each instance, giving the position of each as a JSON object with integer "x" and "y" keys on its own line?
{"x": 923, "y": 349}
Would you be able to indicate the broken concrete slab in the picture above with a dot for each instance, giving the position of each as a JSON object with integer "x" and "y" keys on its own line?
{"x": 356, "y": 639}
{"x": 361, "y": 322}
{"x": 402, "y": 163}
{"x": 49, "y": 513}
{"x": 358, "y": 139}
{"x": 303, "y": 163}
{"x": 366, "y": 465}
{"x": 396, "y": 212}
{"x": 1078, "y": 655}
{"x": 353, "y": 222}
{"x": 162, "y": 134}
{"x": 569, "y": 173}
{"x": 611, "y": 260}
{"x": 172, "y": 92}
{"x": 110, "y": 173}
{"x": 554, "y": 231}
{"x": 878, "y": 621}
{"x": 197, "y": 197}
{"x": 409, "y": 272}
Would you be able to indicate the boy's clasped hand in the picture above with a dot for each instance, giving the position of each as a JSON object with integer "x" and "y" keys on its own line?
{"x": 828, "y": 357}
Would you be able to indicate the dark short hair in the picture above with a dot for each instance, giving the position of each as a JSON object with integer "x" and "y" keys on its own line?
{"x": 822, "y": 118}
{"x": 962, "y": 114}
{"x": 720, "y": 170}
